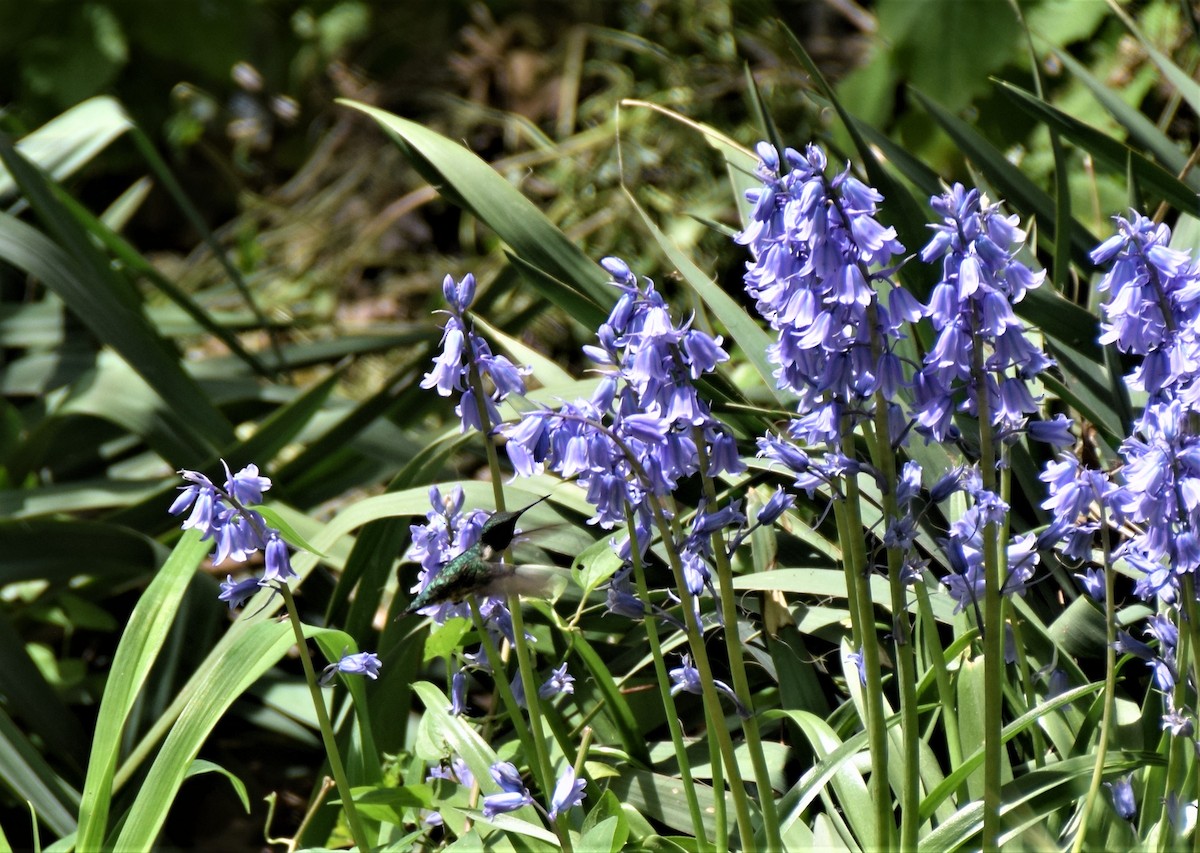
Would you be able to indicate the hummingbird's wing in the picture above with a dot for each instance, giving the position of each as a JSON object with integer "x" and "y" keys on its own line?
{"x": 534, "y": 581}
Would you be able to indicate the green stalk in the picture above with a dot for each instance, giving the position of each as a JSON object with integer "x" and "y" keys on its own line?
{"x": 357, "y": 831}
{"x": 737, "y": 666}
{"x": 993, "y": 626}
{"x": 1192, "y": 641}
{"x": 937, "y": 660}
{"x": 884, "y": 459}
{"x": 854, "y": 553}
{"x": 524, "y": 664}
{"x": 1177, "y": 760}
{"x": 664, "y": 692}
{"x": 712, "y": 701}
{"x": 1110, "y": 686}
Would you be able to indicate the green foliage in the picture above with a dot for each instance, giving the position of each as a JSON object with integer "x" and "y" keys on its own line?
{"x": 111, "y": 383}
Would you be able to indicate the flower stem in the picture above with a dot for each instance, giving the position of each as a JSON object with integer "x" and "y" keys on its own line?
{"x": 524, "y": 664}
{"x": 854, "y": 553}
{"x": 737, "y": 666}
{"x": 664, "y": 691}
{"x": 884, "y": 459}
{"x": 357, "y": 831}
{"x": 993, "y": 626}
{"x": 712, "y": 702}
{"x": 1110, "y": 686}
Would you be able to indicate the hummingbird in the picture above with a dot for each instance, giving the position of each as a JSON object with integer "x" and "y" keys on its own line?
{"x": 476, "y": 571}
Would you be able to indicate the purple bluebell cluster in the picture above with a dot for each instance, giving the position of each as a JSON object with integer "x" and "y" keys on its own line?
{"x": 971, "y": 311}
{"x": 460, "y": 348}
{"x": 637, "y": 435}
{"x": 238, "y": 532}
{"x": 820, "y": 276}
{"x": 446, "y": 533}
{"x": 1152, "y": 311}
{"x": 816, "y": 245}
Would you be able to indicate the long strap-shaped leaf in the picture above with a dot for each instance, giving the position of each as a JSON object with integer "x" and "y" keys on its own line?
{"x": 469, "y": 182}
{"x": 140, "y": 644}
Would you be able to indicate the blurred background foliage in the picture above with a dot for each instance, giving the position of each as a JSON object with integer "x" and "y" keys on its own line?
{"x": 340, "y": 245}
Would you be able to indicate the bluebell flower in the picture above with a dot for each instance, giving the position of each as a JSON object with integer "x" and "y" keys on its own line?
{"x": 622, "y": 601}
{"x": 559, "y": 682}
{"x": 972, "y": 306}
{"x": 568, "y": 793}
{"x": 964, "y": 551}
{"x": 513, "y": 793}
{"x": 813, "y": 240}
{"x": 686, "y": 679}
{"x": 238, "y": 593}
{"x": 237, "y": 531}
{"x": 278, "y": 560}
{"x": 458, "y": 694}
{"x": 462, "y": 347}
{"x": 1092, "y": 580}
{"x": 856, "y": 658}
{"x": 1121, "y": 791}
{"x": 460, "y": 295}
{"x": 1178, "y": 723}
{"x": 779, "y": 503}
{"x": 361, "y": 663}
{"x": 639, "y": 433}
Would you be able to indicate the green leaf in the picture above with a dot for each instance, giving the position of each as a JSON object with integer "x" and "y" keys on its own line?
{"x": 970, "y": 698}
{"x": 1141, "y": 129}
{"x": 468, "y": 181}
{"x": 140, "y": 645}
{"x": 68, "y": 141}
{"x": 1030, "y": 799}
{"x": 1119, "y": 157}
{"x": 107, "y": 312}
{"x": 236, "y": 667}
{"x": 824, "y": 583}
{"x": 200, "y": 766}
{"x": 1019, "y": 191}
{"x": 26, "y": 775}
{"x": 605, "y": 827}
{"x": 615, "y": 703}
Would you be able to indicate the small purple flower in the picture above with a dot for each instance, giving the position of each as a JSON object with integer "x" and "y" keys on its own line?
{"x": 459, "y": 296}
{"x": 246, "y": 486}
{"x": 558, "y": 682}
{"x": 568, "y": 793}
{"x": 361, "y": 663}
{"x": 779, "y": 503}
{"x": 238, "y": 593}
{"x": 458, "y": 694}
{"x": 1093, "y": 583}
{"x": 1121, "y": 791}
{"x": 279, "y": 563}
{"x": 687, "y": 679}
{"x": 856, "y": 658}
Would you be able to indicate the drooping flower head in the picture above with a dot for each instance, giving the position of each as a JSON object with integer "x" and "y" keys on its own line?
{"x": 237, "y": 531}
{"x": 461, "y": 347}
{"x": 816, "y": 248}
{"x": 971, "y": 311}
{"x": 643, "y": 429}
